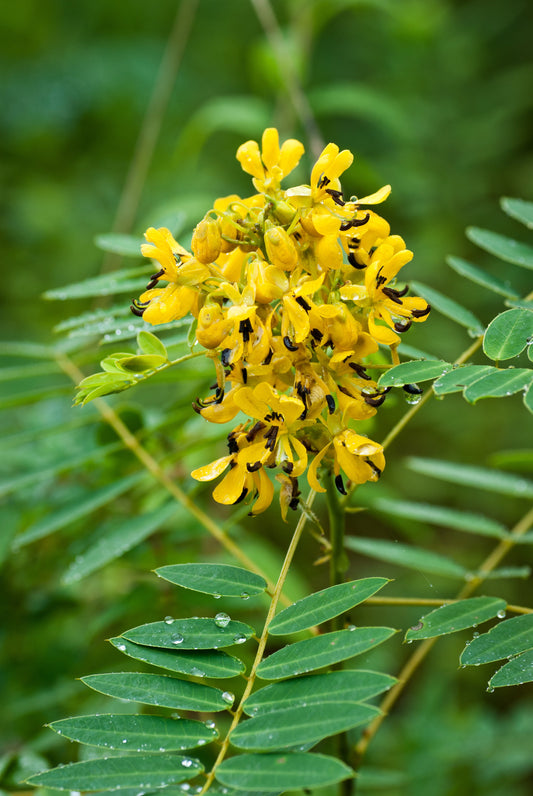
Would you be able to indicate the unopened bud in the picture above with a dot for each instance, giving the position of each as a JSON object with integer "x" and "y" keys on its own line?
{"x": 206, "y": 241}
{"x": 280, "y": 248}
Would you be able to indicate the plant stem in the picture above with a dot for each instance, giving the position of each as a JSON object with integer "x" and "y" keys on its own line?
{"x": 337, "y": 524}
{"x": 263, "y": 640}
{"x": 515, "y": 609}
{"x": 337, "y": 568}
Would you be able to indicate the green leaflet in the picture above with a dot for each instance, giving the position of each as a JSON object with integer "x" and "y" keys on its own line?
{"x": 519, "y": 209}
{"x": 117, "y": 773}
{"x": 76, "y": 509}
{"x": 187, "y": 634}
{"x": 456, "y": 616}
{"x": 508, "y": 334}
{"x": 121, "y": 537}
{"x": 441, "y": 515}
{"x": 158, "y": 689}
{"x": 314, "y": 689}
{"x": 468, "y": 475}
{"x": 459, "y": 378}
{"x": 151, "y": 345}
{"x": 218, "y": 579}
{"x": 285, "y": 771}
{"x": 512, "y": 251}
{"x": 139, "y": 733}
{"x": 409, "y": 372}
{"x": 201, "y": 663}
{"x": 517, "y": 671}
{"x": 324, "y": 605}
{"x": 448, "y": 307}
{"x": 406, "y": 556}
{"x": 503, "y": 640}
{"x": 313, "y": 653}
{"x": 481, "y": 277}
{"x": 292, "y": 726}
{"x": 499, "y": 383}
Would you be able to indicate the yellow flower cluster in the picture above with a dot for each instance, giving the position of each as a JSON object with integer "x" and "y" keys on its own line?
{"x": 292, "y": 290}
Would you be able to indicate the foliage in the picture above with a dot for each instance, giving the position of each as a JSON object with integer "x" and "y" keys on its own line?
{"x": 97, "y": 496}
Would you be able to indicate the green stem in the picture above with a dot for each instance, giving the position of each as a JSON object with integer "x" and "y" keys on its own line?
{"x": 337, "y": 523}
{"x": 338, "y": 564}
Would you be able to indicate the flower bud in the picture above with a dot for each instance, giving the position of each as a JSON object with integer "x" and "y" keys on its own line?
{"x": 280, "y": 248}
{"x": 206, "y": 241}
{"x": 212, "y": 326}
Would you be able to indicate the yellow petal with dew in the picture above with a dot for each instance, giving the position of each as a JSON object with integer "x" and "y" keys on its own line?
{"x": 377, "y": 197}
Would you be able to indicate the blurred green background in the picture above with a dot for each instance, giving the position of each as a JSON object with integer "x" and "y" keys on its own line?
{"x": 432, "y": 96}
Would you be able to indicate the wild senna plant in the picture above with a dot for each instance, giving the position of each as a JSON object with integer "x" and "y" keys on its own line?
{"x": 295, "y": 301}
{"x": 293, "y": 290}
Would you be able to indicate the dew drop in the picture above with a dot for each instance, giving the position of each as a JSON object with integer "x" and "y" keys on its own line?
{"x": 197, "y": 672}
{"x": 124, "y": 740}
{"x": 228, "y": 697}
{"x": 222, "y": 620}
{"x": 501, "y": 614}
{"x": 412, "y": 400}
{"x": 490, "y": 690}
{"x": 245, "y": 595}
{"x": 217, "y": 596}
{"x": 476, "y": 634}
{"x": 240, "y": 638}
{"x": 201, "y": 742}
{"x": 186, "y": 763}
{"x": 177, "y": 638}
{"x": 352, "y": 627}
{"x": 169, "y": 620}
{"x": 121, "y": 647}
{"x": 210, "y": 724}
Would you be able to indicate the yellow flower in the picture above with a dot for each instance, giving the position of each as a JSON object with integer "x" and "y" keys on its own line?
{"x": 269, "y": 166}
{"x": 238, "y": 482}
{"x": 183, "y": 273}
{"x": 382, "y": 301}
{"x": 280, "y": 416}
{"x": 358, "y": 457}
